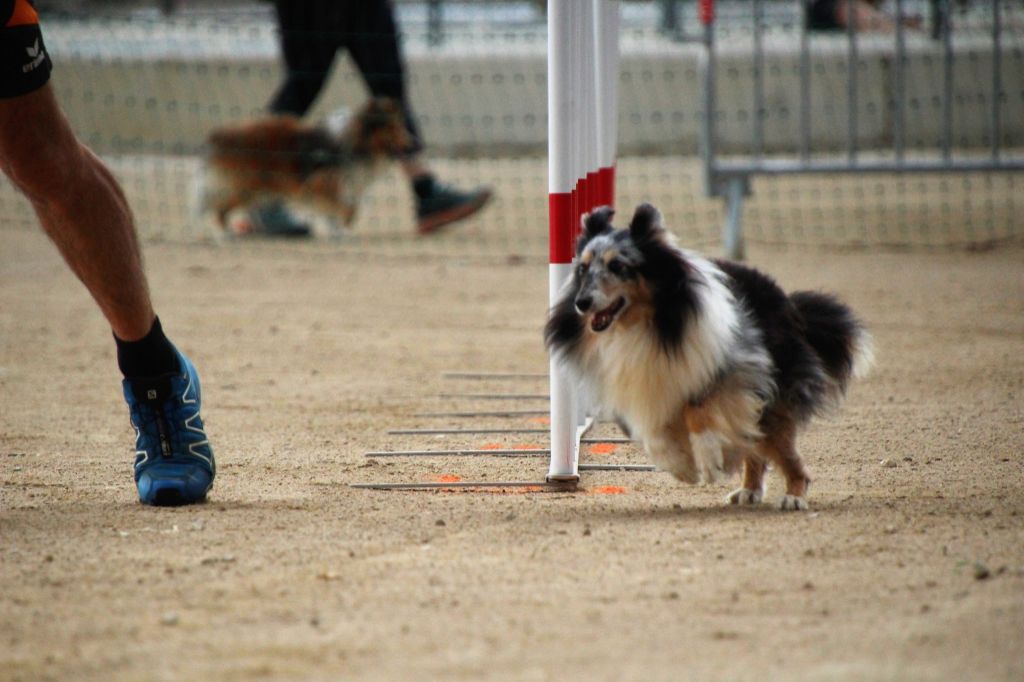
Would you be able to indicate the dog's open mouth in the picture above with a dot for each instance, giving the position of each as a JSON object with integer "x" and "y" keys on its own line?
{"x": 603, "y": 318}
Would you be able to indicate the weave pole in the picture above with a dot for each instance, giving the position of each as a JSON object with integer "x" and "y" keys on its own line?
{"x": 606, "y": 36}
{"x": 582, "y": 109}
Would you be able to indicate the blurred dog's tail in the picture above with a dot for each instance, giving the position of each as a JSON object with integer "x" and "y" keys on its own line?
{"x": 835, "y": 334}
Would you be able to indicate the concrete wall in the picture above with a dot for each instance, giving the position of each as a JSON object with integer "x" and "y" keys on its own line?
{"x": 486, "y": 95}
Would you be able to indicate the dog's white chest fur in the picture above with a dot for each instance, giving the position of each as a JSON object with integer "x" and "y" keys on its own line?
{"x": 651, "y": 386}
{"x": 648, "y": 384}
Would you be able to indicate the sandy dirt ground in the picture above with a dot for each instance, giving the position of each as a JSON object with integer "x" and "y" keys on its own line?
{"x": 909, "y": 566}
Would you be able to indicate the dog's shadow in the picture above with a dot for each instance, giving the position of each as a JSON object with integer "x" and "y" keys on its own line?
{"x": 767, "y": 512}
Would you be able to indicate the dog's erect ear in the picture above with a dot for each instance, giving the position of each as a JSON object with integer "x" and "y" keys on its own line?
{"x": 598, "y": 221}
{"x": 646, "y": 223}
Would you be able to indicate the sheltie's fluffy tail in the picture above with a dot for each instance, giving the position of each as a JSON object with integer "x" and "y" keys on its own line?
{"x": 836, "y": 335}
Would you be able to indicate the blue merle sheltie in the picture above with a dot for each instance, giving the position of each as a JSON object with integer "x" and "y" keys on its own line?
{"x": 708, "y": 363}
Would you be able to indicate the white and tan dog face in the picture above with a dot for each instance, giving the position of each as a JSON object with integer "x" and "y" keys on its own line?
{"x": 607, "y": 278}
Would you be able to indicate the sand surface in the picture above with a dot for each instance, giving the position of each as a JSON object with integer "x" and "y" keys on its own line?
{"x": 909, "y": 566}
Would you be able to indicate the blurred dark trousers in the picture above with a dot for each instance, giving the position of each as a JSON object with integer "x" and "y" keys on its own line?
{"x": 312, "y": 33}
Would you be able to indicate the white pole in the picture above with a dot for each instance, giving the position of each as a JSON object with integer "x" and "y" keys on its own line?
{"x": 606, "y": 29}
{"x": 588, "y": 101}
{"x": 562, "y": 175}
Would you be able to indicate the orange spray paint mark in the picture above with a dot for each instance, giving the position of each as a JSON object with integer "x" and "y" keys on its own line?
{"x": 448, "y": 478}
{"x": 602, "y": 448}
{"x": 540, "y": 420}
{"x": 491, "y": 446}
{"x": 607, "y": 490}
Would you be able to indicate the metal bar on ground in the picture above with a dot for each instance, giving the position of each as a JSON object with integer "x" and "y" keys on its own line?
{"x": 456, "y": 432}
{"x": 502, "y": 413}
{"x": 494, "y": 396}
{"x": 438, "y": 432}
{"x": 459, "y": 453}
{"x": 497, "y": 376}
{"x": 618, "y": 467}
{"x": 548, "y": 486}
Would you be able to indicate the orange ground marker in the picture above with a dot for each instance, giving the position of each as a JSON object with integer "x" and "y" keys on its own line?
{"x": 602, "y": 448}
{"x": 448, "y": 478}
{"x": 607, "y": 490}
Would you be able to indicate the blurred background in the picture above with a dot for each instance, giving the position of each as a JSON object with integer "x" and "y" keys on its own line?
{"x": 145, "y": 82}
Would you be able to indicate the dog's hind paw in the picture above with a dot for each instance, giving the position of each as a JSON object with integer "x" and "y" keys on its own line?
{"x": 745, "y": 496}
{"x": 792, "y": 503}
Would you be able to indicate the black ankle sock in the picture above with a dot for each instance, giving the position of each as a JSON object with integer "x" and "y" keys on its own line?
{"x": 151, "y": 356}
{"x": 423, "y": 185}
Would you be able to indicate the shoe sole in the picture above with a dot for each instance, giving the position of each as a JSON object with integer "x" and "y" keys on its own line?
{"x": 172, "y": 497}
{"x": 182, "y": 484}
{"x": 433, "y": 223}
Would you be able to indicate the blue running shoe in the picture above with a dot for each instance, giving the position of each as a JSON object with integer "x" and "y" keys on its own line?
{"x": 173, "y": 459}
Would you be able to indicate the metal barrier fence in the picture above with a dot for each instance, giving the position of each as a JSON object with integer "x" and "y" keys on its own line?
{"x": 730, "y": 178}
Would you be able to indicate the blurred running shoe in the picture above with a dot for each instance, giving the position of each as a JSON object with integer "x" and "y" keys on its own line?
{"x": 438, "y": 204}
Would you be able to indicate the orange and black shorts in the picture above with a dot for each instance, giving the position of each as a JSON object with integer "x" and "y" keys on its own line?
{"x": 24, "y": 63}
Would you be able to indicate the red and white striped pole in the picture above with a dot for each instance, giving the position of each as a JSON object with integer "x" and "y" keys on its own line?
{"x": 606, "y": 32}
{"x": 582, "y": 108}
{"x": 562, "y": 112}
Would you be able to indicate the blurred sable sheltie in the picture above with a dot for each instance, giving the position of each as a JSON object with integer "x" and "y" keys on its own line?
{"x": 282, "y": 158}
{"x": 708, "y": 363}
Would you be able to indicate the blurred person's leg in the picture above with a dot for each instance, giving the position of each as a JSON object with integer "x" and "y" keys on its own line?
{"x": 309, "y": 35}
{"x": 312, "y": 31}
{"x": 373, "y": 42}
{"x": 309, "y": 32}
{"x": 83, "y": 210}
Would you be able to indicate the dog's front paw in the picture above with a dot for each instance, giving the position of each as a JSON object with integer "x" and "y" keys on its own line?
{"x": 792, "y": 503}
{"x": 745, "y": 496}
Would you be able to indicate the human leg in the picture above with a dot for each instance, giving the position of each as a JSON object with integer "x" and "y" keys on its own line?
{"x": 82, "y": 208}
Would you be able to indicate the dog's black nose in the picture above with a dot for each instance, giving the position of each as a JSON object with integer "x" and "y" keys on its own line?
{"x": 583, "y": 303}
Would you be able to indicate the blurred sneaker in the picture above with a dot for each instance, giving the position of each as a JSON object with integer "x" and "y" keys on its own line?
{"x": 438, "y": 205}
{"x": 173, "y": 459}
{"x": 274, "y": 220}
